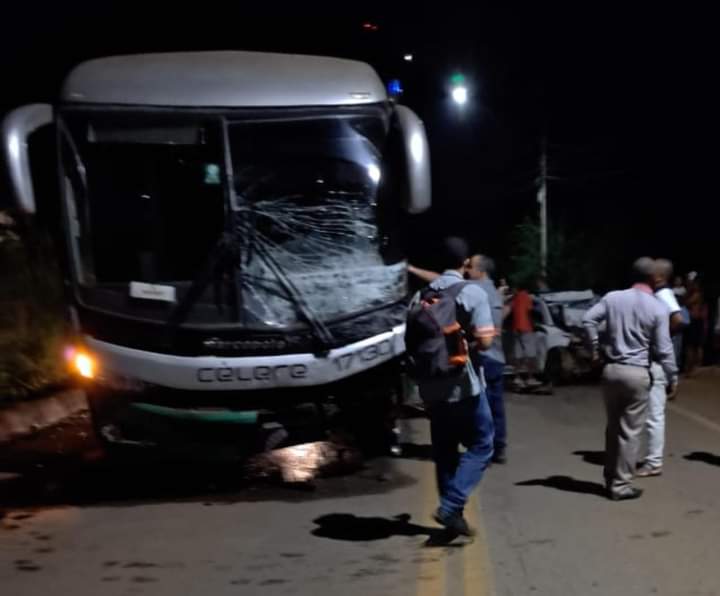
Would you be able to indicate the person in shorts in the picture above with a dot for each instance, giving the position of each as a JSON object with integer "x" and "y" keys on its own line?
{"x": 524, "y": 340}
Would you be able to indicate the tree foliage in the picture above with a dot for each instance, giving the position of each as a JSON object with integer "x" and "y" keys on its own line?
{"x": 577, "y": 259}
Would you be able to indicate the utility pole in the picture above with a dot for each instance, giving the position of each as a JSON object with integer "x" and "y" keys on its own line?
{"x": 542, "y": 201}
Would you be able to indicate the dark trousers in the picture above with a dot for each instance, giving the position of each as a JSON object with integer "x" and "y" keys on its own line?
{"x": 467, "y": 422}
{"x": 495, "y": 394}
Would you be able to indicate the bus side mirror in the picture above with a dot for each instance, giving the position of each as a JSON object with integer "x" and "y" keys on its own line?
{"x": 17, "y": 127}
{"x": 417, "y": 160}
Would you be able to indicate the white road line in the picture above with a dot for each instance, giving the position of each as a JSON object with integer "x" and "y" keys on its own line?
{"x": 698, "y": 418}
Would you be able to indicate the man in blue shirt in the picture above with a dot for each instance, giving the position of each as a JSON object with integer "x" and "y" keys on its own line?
{"x": 457, "y": 406}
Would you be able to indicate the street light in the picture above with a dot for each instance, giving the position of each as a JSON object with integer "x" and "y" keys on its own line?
{"x": 459, "y": 90}
{"x": 408, "y": 57}
{"x": 460, "y": 95}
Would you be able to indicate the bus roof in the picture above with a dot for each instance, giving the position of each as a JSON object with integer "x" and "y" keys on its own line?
{"x": 223, "y": 79}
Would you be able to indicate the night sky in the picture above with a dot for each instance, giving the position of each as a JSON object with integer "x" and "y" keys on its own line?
{"x": 627, "y": 99}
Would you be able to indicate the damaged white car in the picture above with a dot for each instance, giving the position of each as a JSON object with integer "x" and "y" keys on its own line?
{"x": 562, "y": 355}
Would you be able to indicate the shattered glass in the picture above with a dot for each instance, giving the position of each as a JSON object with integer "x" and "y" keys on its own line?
{"x": 329, "y": 253}
{"x": 303, "y": 219}
{"x": 307, "y": 194}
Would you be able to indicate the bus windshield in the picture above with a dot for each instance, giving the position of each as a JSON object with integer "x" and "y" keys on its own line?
{"x": 246, "y": 212}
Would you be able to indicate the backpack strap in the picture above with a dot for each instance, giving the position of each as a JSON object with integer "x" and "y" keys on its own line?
{"x": 463, "y": 317}
{"x": 455, "y": 289}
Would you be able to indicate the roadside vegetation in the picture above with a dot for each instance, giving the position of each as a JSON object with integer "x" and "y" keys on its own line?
{"x": 33, "y": 328}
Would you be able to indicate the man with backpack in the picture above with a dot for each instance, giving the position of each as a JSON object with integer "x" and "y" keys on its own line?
{"x": 479, "y": 268}
{"x": 448, "y": 323}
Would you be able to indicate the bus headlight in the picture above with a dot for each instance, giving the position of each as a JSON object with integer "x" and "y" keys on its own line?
{"x": 84, "y": 364}
{"x": 87, "y": 366}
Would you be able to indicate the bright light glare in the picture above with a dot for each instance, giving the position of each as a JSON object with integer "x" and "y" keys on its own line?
{"x": 14, "y": 147}
{"x": 374, "y": 173}
{"x": 416, "y": 147}
{"x": 408, "y": 57}
{"x": 460, "y": 95}
{"x": 84, "y": 365}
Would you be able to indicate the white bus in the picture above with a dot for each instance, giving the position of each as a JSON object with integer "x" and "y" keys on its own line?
{"x": 234, "y": 231}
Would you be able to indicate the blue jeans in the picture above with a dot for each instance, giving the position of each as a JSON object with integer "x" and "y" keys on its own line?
{"x": 495, "y": 388}
{"x": 467, "y": 422}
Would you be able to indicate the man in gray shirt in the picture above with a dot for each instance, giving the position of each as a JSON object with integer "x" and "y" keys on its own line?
{"x": 480, "y": 269}
{"x": 637, "y": 332}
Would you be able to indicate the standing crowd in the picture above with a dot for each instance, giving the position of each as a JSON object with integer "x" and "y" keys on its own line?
{"x": 696, "y": 328}
{"x": 641, "y": 336}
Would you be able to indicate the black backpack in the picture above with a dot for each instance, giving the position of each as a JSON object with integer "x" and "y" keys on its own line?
{"x": 434, "y": 339}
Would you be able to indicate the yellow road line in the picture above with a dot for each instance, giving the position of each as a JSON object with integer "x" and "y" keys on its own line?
{"x": 478, "y": 577}
{"x": 432, "y": 571}
{"x": 443, "y": 572}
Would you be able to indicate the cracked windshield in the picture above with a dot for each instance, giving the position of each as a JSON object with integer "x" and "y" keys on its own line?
{"x": 150, "y": 204}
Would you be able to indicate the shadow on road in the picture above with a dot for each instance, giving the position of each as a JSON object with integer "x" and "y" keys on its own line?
{"x": 568, "y": 484}
{"x": 349, "y": 527}
{"x": 596, "y": 458}
{"x": 132, "y": 483}
{"x": 705, "y": 457}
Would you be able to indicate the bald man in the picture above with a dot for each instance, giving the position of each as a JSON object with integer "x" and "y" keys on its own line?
{"x": 636, "y": 328}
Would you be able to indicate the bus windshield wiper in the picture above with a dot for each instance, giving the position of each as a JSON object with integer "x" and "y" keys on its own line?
{"x": 225, "y": 259}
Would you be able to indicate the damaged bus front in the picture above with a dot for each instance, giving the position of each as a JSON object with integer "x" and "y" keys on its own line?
{"x": 233, "y": 224}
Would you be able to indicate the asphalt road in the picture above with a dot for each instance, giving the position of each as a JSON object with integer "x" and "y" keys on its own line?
{"x": 75, "y": 525}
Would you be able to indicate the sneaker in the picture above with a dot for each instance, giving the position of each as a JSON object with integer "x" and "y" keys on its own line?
{"x": 632, "y": 493}
{"x": 454, "y": 522}
{"x": 646, "y": 471}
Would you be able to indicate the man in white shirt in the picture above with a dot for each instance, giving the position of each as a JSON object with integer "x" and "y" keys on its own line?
{"x": 655, "y": 424}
